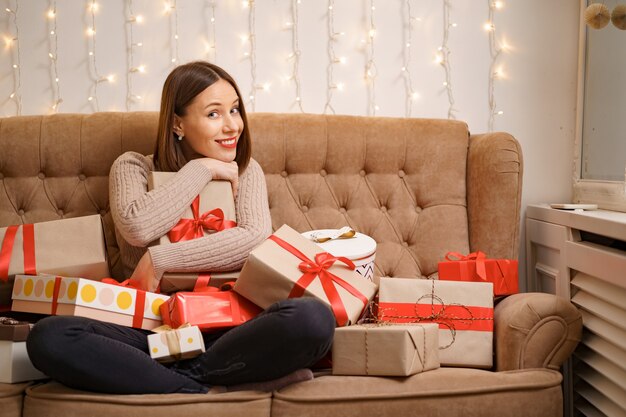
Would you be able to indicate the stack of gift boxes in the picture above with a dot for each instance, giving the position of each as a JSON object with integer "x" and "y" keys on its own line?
{"x": 417, "y": 325}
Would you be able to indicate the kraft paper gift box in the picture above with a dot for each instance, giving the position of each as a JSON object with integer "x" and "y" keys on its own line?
{"x": 201, "y": 218}
{"x": 210, "y": 310}
{"x": 215, "y": 195}
{"x": 173, "y": 282}
{"x": 463, "y": 310}
{"x": 15, "y": 365}
{"x": 385, "y": 350}
{"x": 288, "y": 265}
{"x": 73, "y": 247}
{"x": 359, "y": 248}
{"x": 14, "y": 330}
{"x": 169, "y": 345}
{"x": 476, "y": 267}
{"x": 55, "y": 295}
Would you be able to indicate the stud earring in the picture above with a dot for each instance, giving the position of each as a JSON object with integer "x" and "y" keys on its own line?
{"x": 180, "y": 137}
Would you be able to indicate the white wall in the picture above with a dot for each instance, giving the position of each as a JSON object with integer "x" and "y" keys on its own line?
{"x": 537, "y": 95}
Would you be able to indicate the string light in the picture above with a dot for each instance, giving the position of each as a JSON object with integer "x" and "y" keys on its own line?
{"x": 251, "y": 37}
{"x": 53, "y": 54}
{"x": 494, "y": 71}
{"x": 212, "y": 39}
{"x": 443, "y": 58}
{"x": 332, "y": 58}
{"x": 172, "y": 10}
{"x": 296, "y": 53}
{"x": 94, "y": 74}
{"x": 370, "y": 66}
{"x": 132, "y": 69}
{"x": 16, "y": 95}
{"x": 410, "y": 94}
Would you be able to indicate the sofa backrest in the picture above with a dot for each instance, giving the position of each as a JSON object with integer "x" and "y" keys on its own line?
{"x": 402, "y": 181}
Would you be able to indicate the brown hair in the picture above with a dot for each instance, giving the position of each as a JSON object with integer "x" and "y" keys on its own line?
{"x": 182, "y": 85}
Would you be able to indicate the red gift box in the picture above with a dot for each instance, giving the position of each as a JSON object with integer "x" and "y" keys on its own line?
{"x": 476, "y": 267}
{"x": 210, "y": 310}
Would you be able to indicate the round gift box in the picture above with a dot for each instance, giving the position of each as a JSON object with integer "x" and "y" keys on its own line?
{"x": 360, "y": 249}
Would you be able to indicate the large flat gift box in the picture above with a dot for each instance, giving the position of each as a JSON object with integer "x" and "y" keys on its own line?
{"x": 288, "y": 265}
{"x": 476, "y": 267}
{"x": 15, "y": 366}
{"x": 172, "y": 282}
{"x": 463, "y": 310}
{"x": 385, "y": 350}
{"x": 169, "y": 345}
{"x": 55, "y": 295}
{"x": 69, "y": 247}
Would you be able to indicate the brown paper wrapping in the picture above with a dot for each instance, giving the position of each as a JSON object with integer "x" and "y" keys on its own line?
{"x": 13, "y": 330}
{"x": 385, "y": 350}
{"x": 216, "y": 194}
{"x": 270, "y": 273}
{"x": 183, "y": 281}
{"x": 69, "y": 247}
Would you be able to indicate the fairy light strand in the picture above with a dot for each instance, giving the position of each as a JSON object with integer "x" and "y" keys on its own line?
{"x": 93, "y": 70}
{"x": 16, "y": 95}
{"x": 133, "y": 69}
{"x": 296, "y": 53}
{"x": 410, "y": 94}
{"x": 252, "y": 51}
{"x": 494, "y": 51}
{"x": 212, "y": 47}
{"x": 172, "y": 10}
{"x": 370, "y": 66}
{"x": 444, "y": 58}
{"x": 53, "y": 54}
{"x": 332, "y": 58}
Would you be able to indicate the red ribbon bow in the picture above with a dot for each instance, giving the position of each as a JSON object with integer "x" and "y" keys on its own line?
{"x": 28, "y": 243}
{"x": 319, "y": 268}
{"x": 187, "y": 229}
{"x": 479, "y": 257}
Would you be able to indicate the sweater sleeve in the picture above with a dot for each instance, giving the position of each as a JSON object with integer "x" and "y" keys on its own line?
{"x": 141, "y": 216}
{"x": 226, "y": 250}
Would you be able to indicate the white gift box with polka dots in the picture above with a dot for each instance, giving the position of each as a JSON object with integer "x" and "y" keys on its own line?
{"x": 176, "y": 344}
{"x": 85, "y": 298}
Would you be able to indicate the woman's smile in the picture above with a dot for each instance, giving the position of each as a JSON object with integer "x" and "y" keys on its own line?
{"x": 228, "y": 142}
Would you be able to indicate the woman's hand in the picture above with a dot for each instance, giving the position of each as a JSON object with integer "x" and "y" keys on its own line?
{"x": 228, "y": 171}
{"x": 144, "y": 273}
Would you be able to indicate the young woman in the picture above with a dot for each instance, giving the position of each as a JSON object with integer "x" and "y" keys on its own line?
{"x": 202, "y": 136}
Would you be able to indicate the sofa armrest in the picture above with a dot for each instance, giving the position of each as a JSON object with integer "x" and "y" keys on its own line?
{"x": 535, "y": 330}
{"x": 494, "y": 191}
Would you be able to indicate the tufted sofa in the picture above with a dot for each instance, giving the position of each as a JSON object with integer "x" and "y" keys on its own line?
{"x": 419, "y": 187}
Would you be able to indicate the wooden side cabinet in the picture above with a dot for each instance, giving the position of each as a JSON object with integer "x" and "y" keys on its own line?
{"x": 581, "y": 256}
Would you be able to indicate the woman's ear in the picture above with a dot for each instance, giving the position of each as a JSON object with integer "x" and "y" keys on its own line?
{"x": 178, "y": 126}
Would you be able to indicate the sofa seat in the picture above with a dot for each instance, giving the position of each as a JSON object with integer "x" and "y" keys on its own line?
{"x": 448, "y": 392}
{"x": 11, "y": 399}
{"x": 55, "y": 399}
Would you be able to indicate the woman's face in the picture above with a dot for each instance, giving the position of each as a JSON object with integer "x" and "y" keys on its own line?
{"x": 212, "y": 124}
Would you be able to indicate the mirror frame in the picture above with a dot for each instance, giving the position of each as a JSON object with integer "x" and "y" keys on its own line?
{"x": 609, "y": 195}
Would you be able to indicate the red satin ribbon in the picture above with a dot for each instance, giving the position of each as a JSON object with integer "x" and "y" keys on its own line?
{"x": 140, "y": 299}
{"x": 319, "y": 268}
{"x": 28, "y": 244}
{"x": 187, "y": 229}
{"x": 451, "y": 316}
{"x": 55, "y": 296}
{"x": 479, "y": 257}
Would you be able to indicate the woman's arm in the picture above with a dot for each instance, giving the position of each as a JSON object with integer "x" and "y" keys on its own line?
{"x": 141, "y": 216}
{"x": 226, "y": 250}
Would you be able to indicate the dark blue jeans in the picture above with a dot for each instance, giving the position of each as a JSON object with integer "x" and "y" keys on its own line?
{"x": 96, "y": 356}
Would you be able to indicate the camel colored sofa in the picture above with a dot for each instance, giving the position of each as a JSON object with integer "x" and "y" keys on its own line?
{"x": 419, "y": 187}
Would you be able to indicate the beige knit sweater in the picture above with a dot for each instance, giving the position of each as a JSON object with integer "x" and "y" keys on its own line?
{"x": 142, "y": 216}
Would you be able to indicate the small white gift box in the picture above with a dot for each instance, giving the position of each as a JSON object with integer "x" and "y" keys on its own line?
{"x": 360, "y": 249}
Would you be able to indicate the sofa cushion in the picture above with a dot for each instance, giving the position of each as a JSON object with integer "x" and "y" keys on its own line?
{"x": 446, "y": 392}
{"x": 11, "y": 397}
{"x": 54, "y": 399}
